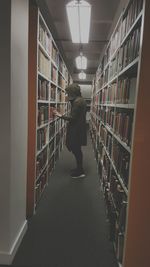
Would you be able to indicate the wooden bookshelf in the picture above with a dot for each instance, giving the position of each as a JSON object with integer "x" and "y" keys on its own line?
{"x": 48, "y": 78}
{"x": 119, "y": 130}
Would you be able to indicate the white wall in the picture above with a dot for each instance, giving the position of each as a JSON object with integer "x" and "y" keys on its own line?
{"x": 86, "y": 90}
{"x": 13, "y": 153}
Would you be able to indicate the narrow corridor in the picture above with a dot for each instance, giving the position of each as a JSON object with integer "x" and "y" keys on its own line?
{"x": 70, "y": 227}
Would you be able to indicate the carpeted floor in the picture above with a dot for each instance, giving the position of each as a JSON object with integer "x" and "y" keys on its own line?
{"x": 70, "y": 227}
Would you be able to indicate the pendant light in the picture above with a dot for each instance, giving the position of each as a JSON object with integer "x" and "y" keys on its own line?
{"x": 79, "y": 15}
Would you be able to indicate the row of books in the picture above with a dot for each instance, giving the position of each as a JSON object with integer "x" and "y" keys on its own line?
{"x": 106, "y": 73}
{"x": 46, "y": 112}
{"x": 110, "y": 115}
{"x": 40, "y": 186}
{"x": 103, "y": 134}
{"x": 61, "y": 96}
{"x": 43, "y": 92}
{"x": 123, "y": 126}
{"x": 61, "y": 81}
{"x": 43, "y": 64}
{"x": 130, "y": 50}
{"x": 106, "y": 138}
{"x": 112, "y": 183}
{"x": 111, "y": 212}
{"x": 43, "y": 114}
{"x": 45, "y": 39}
{"x": 113, "y": 67}
{"x": 120, "y": 232}
{"x": 120, "y": 122}
{"x": 95, "y": 101}
{"x": 42, "y": 138}
{"x": 125, "y": 24}
{"x": 115, "y": 39}
{"x": 53, "y": 74}
{"x": 41, "y": 162}
{"x": 123, "y": 27}
{"x": 126, "y": 54}
{"x": 55, "y": 55}
{"x": 98, "y": 74}
{"x": 122, "y": 92}
{"x": 53, "y": 93}
{"x": 116, "y": 191}
{"x": 108, "y": 94}
{"x": 51, "y": 113}
{"x": 116, "y": 212}
{"x": 117, "y": 153}
{"x": 125, "y": 92}
{"x": 121, "y": 159}
{"x": 101, "y": 113}
{"x": 130, "y": 16}
{"x": 51, "y": 130}
{"x": 43, "y": 89}
{"x": 58, "y": 125}
{"x": 106, "y": 56}
{"x": 95, "y": 122}
{"x": 63, "y": 69}
{"x": 106, "y": 162}
{"x": 61, "y": 65}
{"x": 103, "y": 79}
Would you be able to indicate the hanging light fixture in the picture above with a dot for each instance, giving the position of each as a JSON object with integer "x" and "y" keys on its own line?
{"x": 82, "y": 75}
{"x": 79, "y": 14}
{"x": 81, "y": 62}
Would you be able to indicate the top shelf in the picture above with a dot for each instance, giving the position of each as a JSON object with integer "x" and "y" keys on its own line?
{"x": 119, "y": 31}
{"x": 52, "y": 52}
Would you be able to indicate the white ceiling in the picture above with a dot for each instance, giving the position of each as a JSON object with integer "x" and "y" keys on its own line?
{"x": 103, "y": 13}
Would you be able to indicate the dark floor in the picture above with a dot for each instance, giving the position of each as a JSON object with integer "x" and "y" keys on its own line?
{"x": 70, "y": 227}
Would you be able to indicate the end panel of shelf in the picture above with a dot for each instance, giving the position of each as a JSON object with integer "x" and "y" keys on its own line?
{"x": 32, "y": 84}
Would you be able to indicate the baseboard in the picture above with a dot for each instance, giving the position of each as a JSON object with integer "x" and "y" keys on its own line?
{"x": 6, "y": 258}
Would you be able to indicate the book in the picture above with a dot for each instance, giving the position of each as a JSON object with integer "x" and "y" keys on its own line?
{"x": 41, "y": 162}
{"x": 42, "y": 114}
{"x": 43, "y": 89}
{"x": 52, "y": 92}
{"x": 41, "y": 138}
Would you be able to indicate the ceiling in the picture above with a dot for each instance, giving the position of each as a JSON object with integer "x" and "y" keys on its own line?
{"x": 102, "y": 15}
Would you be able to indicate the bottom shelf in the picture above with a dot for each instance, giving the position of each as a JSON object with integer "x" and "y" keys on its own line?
{"x": 45, "y": 174}
{"x": 38, "y": 196}
{"x": 115, "y": 200}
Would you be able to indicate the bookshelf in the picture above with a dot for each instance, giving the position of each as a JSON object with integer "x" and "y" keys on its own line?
{"x": 115, "y": 114}
{"x": 48, "y": 77}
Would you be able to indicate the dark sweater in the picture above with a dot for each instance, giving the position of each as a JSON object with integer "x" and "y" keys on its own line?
{"x": 76, "y": 127}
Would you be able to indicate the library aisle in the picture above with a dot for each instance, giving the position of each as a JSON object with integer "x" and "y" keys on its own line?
{"x": 70, "y": 228}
